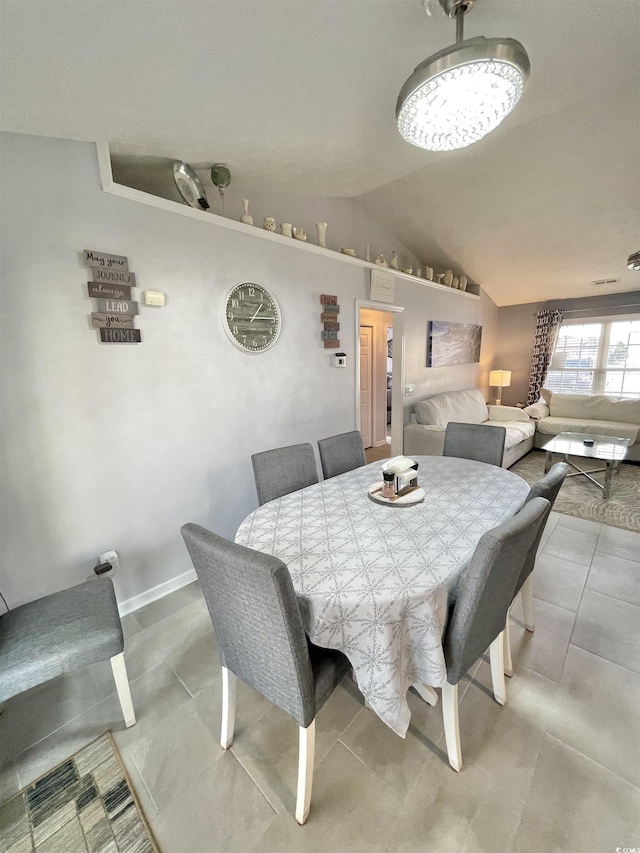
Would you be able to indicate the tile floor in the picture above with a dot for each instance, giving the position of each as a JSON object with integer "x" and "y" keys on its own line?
{"x": 556, "y": 769}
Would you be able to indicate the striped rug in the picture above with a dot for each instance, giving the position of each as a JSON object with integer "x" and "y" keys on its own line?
{"x": 84, "y": 805}
{"x": 580, "y": 498}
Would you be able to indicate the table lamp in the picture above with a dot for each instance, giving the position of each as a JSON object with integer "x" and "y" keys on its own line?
{"x": 499, "y": 379}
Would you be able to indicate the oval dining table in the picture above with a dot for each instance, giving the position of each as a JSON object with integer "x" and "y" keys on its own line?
{"x": 372, "y": 580}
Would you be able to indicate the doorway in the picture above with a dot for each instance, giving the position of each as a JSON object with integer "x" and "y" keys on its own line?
{"x": 379, "y": 379}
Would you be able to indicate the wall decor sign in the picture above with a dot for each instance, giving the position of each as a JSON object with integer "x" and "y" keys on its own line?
{"x": 329, "y": 319}
{"x": 383, "y": 286}
{"x": 111, "y": 276}
{"x": 120, "y": 336}
{"x": 100, "y": 259}
{"x": 111, "y": 288}
{"x": 109, "y": 291}
{"x": 111, "y": 321}
{"x": 453, "y": 343}
{"x": 117, "y": 306}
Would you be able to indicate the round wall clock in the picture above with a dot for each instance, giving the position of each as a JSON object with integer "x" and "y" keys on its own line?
{"x": 252, "y": 317}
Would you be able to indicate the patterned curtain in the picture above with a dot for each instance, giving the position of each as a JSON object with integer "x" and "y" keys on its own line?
{"x": 547, "y": 327}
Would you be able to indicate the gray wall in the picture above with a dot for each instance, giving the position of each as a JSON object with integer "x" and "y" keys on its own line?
{"x": 117, "y": 446}
{"x": 517, "y": 326}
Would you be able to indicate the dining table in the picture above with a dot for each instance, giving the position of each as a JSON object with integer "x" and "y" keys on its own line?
{"x": 373, "y": 580}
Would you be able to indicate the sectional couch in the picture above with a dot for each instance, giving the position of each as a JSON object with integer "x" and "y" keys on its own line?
{"x": 595, "y": 414}
{"x": 424, "y": 435}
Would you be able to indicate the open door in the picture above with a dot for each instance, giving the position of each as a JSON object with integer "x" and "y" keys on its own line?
{"x": 376, "y": 330}
{"x": 380, "y": 377}
{"x": 366, "y": 384}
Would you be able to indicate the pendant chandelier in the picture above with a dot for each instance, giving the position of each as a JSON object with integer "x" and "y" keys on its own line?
{"x": 463, "y": 92}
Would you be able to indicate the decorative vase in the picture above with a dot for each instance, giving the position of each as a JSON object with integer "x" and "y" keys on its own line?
{"x": 455, "y": 282}
{"x": 285, "y": 229}
{"x": 429, "y": 273}
{"x": 407, "y": 270}
{"x": 448, "y": 278}
{"x": 299, "y": 233}
{"x": 248, "y": 220}
{"x": 380, "y": 260}
{"x": 322, "y": 234}
{"x": 368, "y": 255}
{"x": 393, "y": 263}
{"x": 269, "y": 223}
{"x": 463, "y": 282}
{"x": 419, "y": 272}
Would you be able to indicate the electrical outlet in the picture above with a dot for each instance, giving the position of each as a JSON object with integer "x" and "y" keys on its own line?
{"x": 109, "y": 557}
{"x": 409, "y": 390}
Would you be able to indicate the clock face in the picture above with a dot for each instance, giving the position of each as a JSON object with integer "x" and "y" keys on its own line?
{"x": 252, "y": 317}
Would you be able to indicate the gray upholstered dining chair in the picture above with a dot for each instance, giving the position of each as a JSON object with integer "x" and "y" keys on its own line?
{"x": 547, "y": 488}
{"x": 475, "y": 441}
{"x": 283, "y": 470}
{"x": 258, "y": 627}
{"x": 62, "y": 632}
{"x": 341, "y": 453}
{"x": 479, "y": 613}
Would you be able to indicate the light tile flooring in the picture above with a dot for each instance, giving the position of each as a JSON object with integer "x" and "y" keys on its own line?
{"x": 556, "y": 769}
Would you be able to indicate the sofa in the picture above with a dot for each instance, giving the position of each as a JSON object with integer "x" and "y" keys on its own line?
{"x": 424, "y": 435}
{"x": 594, "y": 414}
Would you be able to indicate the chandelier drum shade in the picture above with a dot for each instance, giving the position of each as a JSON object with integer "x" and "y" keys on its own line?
{"x": 463, "y": 92}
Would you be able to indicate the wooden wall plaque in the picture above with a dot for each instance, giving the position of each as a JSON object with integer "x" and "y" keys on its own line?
{"x": 120, "y": 336}
{"x": 331, "y": 344}
{"x": 111, "y": 321}
{"x": 100, "y": 259}
{"x": 111, "y": 276}
{"x": 117, "y": 306}
{"x": 100, "y": 290}
{"x": 326, "y": 299}
{"x": 331, "y": 327}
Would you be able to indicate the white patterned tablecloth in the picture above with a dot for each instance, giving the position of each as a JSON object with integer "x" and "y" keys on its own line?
{"x": 372, "y": 580}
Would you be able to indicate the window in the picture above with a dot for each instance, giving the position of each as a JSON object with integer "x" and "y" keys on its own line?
{"x": 597, "y": 357}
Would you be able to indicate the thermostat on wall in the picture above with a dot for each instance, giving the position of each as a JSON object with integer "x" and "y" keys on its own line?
{"x": 153, "y": 297}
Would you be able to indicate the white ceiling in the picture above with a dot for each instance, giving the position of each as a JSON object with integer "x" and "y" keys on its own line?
{"x": 299, "y": 97}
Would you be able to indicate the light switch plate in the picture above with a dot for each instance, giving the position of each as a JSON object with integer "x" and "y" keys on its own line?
{"x": 153, "y": 297}
{"x": 409, "y": 390}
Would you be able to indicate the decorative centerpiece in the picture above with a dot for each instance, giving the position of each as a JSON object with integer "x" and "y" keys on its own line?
{"x": 393, "y": 263}
{"x": 269, "y": 223}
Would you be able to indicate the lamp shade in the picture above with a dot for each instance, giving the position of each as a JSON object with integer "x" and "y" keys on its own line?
{"x": 500, "y": 378}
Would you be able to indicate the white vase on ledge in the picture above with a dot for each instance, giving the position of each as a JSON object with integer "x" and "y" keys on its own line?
{"x": 246, "y": 218}
{"x": 322, "y": 234}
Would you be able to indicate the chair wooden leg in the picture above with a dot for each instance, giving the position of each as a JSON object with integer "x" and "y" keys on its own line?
{"x": 508, "y": 662}
{"x": 496, "y": 658}
{"x": 452, "y": 724}
{"x": 119, "y": 670}
{"x": 426, "y": 692}
{"x": 306, "y": 752}
{"x": 228, "y": 707}
{"x": 526, "y": 596}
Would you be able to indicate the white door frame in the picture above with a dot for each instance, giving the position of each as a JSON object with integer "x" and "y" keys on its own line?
{"x": 397, "y": 373}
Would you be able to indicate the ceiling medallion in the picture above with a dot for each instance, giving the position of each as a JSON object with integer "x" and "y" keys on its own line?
{"x": 463, "y": 92}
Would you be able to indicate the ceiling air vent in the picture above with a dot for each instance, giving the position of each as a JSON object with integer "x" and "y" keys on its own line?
{"x": 602, "y": 281}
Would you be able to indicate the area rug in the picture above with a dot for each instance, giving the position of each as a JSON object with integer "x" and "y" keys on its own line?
{"x": 580, "y": 498}
{"x": 84, "y": 805}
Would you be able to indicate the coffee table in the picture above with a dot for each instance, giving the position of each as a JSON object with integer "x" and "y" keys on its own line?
{"x": 606, "y": 448}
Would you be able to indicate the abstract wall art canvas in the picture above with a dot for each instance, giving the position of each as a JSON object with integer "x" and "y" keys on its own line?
{"x": 453, "y": 343}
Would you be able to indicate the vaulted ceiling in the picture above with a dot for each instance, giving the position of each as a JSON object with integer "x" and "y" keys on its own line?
{"x": 299, "y": 97}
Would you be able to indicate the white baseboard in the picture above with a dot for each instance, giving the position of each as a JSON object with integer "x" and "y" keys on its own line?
{"x": 156, "y": 592}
